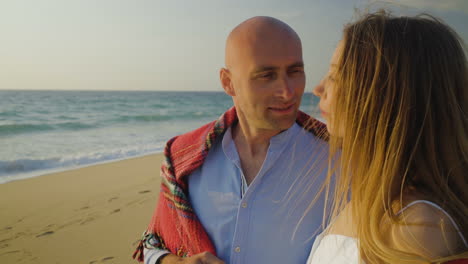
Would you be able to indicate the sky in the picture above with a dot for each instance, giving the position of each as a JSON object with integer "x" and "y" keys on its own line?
{"x": 166, "y": 45}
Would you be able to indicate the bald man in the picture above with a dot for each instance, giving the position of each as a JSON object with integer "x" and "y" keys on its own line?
{"x": 244, "y": 189}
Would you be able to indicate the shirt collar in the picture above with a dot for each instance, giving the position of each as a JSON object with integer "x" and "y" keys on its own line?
{"x": 229, "y": 147}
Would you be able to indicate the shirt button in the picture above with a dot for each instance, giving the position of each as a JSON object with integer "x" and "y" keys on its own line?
{"x": 244, "y": 205}
{"x": 237, "y": 249}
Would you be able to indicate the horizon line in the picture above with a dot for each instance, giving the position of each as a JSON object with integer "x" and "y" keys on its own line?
{"x": 94, "y": 90}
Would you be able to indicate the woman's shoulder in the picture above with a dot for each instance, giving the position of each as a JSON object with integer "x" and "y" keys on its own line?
{"x": 426, "y": 229}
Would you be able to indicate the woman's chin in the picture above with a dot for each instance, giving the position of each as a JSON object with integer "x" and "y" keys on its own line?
{"x": 329, "y": 128}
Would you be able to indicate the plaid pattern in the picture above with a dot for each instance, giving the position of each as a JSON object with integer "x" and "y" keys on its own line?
{"x": 175, "y": 226}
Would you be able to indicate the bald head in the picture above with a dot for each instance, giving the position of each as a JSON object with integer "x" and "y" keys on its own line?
{"x": 256, "y": 34}
{"x": 264, "y": 74}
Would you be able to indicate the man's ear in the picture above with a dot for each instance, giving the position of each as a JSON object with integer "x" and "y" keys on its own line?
{"x": 226, "y": 81}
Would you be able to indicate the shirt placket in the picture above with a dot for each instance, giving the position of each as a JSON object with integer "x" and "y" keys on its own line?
{"x": 239, "y": 248}
{"x": 246, "y": 208}
{"x": 240, "y": 238}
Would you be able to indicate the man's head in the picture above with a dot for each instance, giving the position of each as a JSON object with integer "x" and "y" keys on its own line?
{"x": 264, "y": 73}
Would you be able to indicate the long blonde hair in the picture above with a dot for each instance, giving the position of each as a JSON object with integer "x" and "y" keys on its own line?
{"x": 402, "y": 104}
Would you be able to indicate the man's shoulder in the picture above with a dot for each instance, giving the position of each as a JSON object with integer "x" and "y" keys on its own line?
{"x": 195, "y": 137}
{"x": 185, "y": 153}
{"x": 313, "y": 126}
{"x": 202, "y": 137}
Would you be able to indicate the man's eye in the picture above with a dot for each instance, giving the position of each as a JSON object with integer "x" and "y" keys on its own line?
{"x": 267, "y": 75}
{"x": 297, "y": 71}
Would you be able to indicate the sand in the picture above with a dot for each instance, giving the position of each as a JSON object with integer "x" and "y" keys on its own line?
{"x": 89, "y": 215}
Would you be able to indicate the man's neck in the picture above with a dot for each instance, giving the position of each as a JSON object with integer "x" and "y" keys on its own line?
{"x": 254, "y": 141}
{"x": 252, "y": 146}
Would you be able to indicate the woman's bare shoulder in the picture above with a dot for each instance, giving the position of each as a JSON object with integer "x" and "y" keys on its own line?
{"x": 427, "y": 230}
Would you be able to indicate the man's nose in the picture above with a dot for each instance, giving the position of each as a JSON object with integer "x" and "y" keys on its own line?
{"x": 287, "y": 88}
{"x": 319, "y": 88}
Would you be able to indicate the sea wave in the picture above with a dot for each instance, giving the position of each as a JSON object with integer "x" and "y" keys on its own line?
{"x": 15, "y": 169}
{"x": 10, "y": 129}
{"x": 159, "y": 117}
{"x": 9, "y": 114}
{"x": 143, "y": 118}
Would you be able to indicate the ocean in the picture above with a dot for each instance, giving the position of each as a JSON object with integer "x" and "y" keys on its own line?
{"x": 48, "y": 131}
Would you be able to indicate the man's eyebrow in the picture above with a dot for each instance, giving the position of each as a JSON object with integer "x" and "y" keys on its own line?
{"x": 264, "y": 68}
{"x": 273, "y": 68}
{"x": 297, "y": 65}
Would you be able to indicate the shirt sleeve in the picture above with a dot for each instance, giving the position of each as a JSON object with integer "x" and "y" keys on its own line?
{"x": 151, "y": 256}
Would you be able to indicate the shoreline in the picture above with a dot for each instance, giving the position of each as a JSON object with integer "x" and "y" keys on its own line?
{"x": 94, "y": 214}
{"x": 45, "y": 172}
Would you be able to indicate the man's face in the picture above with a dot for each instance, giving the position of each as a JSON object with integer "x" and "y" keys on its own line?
{"x": 269, "y": 81}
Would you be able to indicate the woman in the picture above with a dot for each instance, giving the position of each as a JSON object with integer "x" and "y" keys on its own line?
{"x": 396, "y": 105}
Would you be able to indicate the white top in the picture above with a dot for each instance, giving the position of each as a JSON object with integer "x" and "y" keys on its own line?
{"x": 339, "y": 249}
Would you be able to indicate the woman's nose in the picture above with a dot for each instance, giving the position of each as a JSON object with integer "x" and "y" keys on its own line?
{"x": 318, "y": 89}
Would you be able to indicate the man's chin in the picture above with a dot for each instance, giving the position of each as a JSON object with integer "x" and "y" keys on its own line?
{"x": 283, "y": 124}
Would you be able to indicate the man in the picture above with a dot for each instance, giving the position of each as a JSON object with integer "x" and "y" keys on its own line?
{"x": 238, "y": 189}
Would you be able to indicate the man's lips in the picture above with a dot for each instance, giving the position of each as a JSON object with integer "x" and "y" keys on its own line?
{"x": 283, "y": 109}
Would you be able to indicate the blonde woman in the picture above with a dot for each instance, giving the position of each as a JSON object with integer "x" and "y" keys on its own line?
{"x": 396, "y": 104}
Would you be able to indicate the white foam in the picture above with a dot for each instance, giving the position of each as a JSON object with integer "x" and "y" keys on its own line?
{"x": 28, "y": 168}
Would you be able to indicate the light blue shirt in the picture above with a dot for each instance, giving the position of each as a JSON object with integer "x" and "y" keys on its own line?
{"x": 262, "y": 225}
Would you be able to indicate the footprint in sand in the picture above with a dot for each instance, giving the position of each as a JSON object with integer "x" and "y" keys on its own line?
{"x": 115, "y": 211}
{"x": 107, "y": 258}
{"x": 68, "y": 223}
{"x": 10, "y": 252}
{"x": 5, "y": 240}
{"x": 45, "y": 233}
{"x": 102, "y": 260}
{"x": 87, "y": 220}
{"x": 112, "y": 199}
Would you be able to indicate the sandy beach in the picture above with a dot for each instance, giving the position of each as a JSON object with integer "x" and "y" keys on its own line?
{"x": 89, "y": 215}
